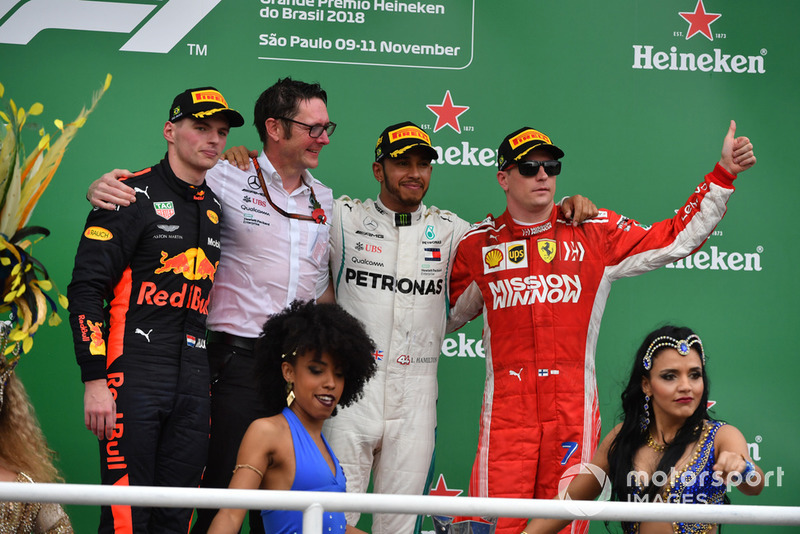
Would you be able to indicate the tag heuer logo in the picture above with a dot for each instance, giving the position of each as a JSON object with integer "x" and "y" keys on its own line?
{"x": 164, "y": 209}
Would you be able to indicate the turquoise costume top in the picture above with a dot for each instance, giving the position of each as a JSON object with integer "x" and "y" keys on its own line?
{"x": 693, "y": 484}
{"x": 312, "y": 473}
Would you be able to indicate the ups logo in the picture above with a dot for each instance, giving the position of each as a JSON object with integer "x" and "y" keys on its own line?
{"x": 516, "y": 254}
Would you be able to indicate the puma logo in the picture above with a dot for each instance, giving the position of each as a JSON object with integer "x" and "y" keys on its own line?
{"x": 517, "y": 374}
{"x": 143, "y": 191}
{"x": 146, "y": 336}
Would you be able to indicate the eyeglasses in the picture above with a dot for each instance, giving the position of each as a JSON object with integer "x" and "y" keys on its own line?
{"x": 531, "y": 167}
{"x": 314, "y": 130}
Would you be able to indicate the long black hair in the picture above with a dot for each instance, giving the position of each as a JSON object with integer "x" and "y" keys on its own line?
{"x": 632, "y": 436}
{"x": 308, "y": 327}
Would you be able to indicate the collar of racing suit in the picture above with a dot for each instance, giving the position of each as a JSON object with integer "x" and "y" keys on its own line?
{"x": 185, "y": 189}
{"x": 525, "y": 230}
{"x": 398, "y": 218}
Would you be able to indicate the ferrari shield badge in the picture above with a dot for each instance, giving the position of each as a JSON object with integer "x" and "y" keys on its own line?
{"x": 547, "y": 249}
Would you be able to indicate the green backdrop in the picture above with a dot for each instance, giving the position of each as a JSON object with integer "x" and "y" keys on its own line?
{"x": 638, "y": 96}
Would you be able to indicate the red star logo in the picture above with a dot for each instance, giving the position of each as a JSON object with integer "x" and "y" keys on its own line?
{"x": 447, "y": 114}
{"x": 700, "y": 21}
{"x": 442, "y": 490}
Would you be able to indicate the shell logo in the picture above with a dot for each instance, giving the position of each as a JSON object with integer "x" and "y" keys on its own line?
{"x": 493, "y": 258}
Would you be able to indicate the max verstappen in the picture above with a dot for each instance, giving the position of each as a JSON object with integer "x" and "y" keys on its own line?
{"x": 542, "y": 284}
{"x": 142, "y": 357}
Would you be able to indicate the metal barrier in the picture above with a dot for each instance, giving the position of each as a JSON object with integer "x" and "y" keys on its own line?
{"x": 313, "y": 504}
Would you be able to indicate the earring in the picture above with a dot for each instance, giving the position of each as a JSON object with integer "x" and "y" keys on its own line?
{"x": 290, "y": 393}
{"x": 645, "y": 422}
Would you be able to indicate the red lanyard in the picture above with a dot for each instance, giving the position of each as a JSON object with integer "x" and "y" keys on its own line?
{"x": 317, "y": 213}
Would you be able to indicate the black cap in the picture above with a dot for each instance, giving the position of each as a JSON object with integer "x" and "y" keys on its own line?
{"x": 203, "y": 102}
{"x": 522, "y": 141}
{"x": 398, "y": 138}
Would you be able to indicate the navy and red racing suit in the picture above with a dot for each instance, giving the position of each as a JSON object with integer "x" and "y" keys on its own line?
{"x": 153, "y": 263}
{"x": 542, "y": 290}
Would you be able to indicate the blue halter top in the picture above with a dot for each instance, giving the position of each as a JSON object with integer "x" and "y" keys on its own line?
{"x": 312, "y": 473}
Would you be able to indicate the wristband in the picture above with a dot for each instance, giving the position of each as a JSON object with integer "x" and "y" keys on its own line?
{"x": 748, "y": 468}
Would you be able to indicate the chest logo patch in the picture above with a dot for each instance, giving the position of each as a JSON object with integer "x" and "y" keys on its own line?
{"x": 547, "y": 249}
{"x": 516, "y": 253}
{"x": 98, "y": 233}
{"x": 493, "y": 258}
{"x": 511, "y": 255}
{"x": 164, "y": 209}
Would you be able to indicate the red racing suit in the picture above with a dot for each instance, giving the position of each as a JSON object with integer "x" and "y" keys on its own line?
{"x": 542, "y": 290}
{"x": 153, "y": 262}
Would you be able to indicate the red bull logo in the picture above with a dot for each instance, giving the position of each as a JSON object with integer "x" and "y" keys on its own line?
{"x": 188, "y": 297}
{"x": 115, "y": 460}
{"x": 192, "y": 264}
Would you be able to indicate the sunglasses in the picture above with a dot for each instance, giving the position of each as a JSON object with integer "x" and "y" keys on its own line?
{"x": 314, "y": 130}
{"x": 531, "y": 167}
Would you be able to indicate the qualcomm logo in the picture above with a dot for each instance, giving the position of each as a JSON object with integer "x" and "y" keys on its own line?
{"x": 168, "y": 24}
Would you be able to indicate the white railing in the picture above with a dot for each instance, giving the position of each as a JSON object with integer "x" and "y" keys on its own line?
{"x": 313, "y": 504}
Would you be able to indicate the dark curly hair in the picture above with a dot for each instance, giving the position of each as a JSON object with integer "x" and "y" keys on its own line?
{"x": 631, "y": 437}
{"x": 304, "y": 327}
{"x": 283, "y": 100}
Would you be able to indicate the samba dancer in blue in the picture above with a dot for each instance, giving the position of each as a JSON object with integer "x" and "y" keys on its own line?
{"x": 322, "y": 357}
{"x": 667, "y": 449}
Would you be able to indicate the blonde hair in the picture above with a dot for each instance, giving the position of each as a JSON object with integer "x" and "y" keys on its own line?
{"x": 22, "y": 443}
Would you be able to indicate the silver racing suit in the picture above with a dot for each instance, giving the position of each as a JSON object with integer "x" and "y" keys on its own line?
{"x": 390, "y": 270}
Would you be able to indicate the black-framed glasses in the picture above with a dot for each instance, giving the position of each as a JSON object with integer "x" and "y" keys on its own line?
{"x": 314, "y": 130}
{"x": 531, "y": 167}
